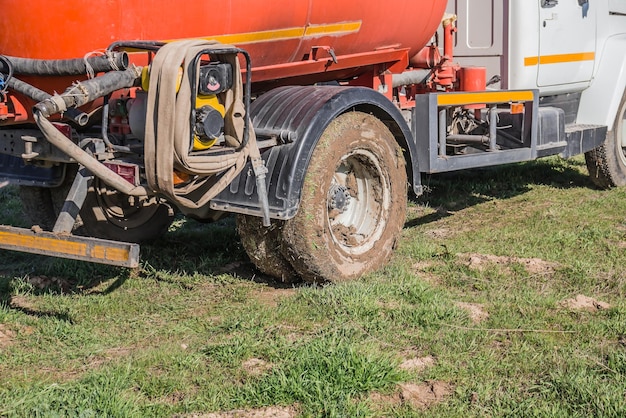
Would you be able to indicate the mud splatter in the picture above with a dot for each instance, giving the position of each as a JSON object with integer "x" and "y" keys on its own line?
{"x": 476, "y": 311}
{"x": 535, "y": 266}
{"x": 584, "y": 303}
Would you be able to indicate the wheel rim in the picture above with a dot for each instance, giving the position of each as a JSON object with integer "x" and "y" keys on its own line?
{"x": 125, "y": 211}
{"x": 358, "y": 198}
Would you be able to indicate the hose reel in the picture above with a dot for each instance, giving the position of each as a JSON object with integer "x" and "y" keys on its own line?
{"x": 183, "y": 123}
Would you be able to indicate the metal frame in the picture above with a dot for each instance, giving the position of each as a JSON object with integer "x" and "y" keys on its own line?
{"x": 429, "y": 128}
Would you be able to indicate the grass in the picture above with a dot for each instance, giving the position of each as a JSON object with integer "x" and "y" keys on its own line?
{"x": 196, "y": 330}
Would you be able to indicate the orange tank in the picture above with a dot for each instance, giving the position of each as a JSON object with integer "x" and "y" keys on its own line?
{"x": 275, "y": 33}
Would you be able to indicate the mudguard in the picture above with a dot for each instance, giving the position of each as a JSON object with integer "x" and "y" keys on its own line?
{"x": 305, "y": 112}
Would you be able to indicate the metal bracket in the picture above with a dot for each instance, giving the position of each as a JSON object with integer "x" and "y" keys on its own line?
{"x": 73, "y": 202}
{"x": 29, "y": 154}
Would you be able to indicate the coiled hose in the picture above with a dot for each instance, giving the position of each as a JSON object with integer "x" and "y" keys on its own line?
{"x": 168, "y": 135}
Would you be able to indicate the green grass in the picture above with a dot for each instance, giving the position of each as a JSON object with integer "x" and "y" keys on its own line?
{"x": 175, "y": 337}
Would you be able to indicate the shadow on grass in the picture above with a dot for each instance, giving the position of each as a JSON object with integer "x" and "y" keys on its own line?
{"x": 192, "y": 248}
{"x": 11, "y": 302}
{"x": 195, "y": 248}
{"x": 451, "y": 192}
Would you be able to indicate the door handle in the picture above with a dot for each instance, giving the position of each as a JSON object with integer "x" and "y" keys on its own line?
{"x": 546, "y": 4}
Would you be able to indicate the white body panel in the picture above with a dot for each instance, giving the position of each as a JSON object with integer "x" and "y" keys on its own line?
{"x": 567, "y": 43}
{"x": 599, "y": 103}
{"x": 560, "y": 48}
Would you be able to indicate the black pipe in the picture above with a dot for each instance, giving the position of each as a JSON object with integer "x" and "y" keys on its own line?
{"x": 81, "y": 118}
{"x": 88, "y": 90}
{"x": 9, "y": 72}
{"x": 148, "y": 46}
{"x": 76, "y": 66}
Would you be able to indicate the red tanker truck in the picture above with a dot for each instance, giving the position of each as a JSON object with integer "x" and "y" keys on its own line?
{"x": 306, "y": 119}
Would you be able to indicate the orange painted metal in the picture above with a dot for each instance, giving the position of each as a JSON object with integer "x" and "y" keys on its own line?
{"x": 289, "y": 40}
{"x": 276, "y": 32}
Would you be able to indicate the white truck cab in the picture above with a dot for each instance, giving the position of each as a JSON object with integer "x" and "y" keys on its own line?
{"x": 571, "y": 51}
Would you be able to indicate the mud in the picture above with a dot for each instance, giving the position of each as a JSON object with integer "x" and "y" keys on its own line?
{"x": 417, "y": 364}
{"x": 256, "y": 366}
{"x": 584, "y": 303}
{"x": 270, "y": 412}
{"x": 7, "y": 336}
{"x": 534, "y": 266}
{"x": 46, "y": 282}
{"x": 476, "y": 311}
{"x": 439, "y": 233}
{"x": 419, "y": 396}
{"x": 263, "y": 247}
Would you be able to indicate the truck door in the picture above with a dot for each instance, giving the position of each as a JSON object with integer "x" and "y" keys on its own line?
{"x": 567, "y": 41}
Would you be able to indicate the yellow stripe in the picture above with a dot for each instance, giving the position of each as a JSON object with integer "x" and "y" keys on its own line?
{"x": 285, "y": 34}
{"x": 44, "y": 244}
{"x": 109, "y": 254}
{"x": 559, "y": 59}
{"x": 261, "y": 36}
{"x": 457, "y": 99}
{"x": 332, "y": 29}
{"x": 59, "y": 246}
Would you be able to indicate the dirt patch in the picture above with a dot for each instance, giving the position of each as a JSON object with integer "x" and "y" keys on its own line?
{"x": 270, "y": 296}
{"x": 256, "y": 366}
{"x": 476, "y": 311}
{"x": 420, "y": 396}
{"x": 424, "y": 395}
{"x": 423, "y": 265}
{"x": 391, "y": 305}
{"x": 7, "y": 336}
{"x": 107, "y": 356}
{"x": 45, "y": 282}
{"x": 21, "y": 302}
{"x": 422, "y": 268}
{"x": 439, "y": 233}
{"x": 533, "y": 266}
{"x": 417, "y": 363}
{"x": 270, "y": 412}
{"x": 584, "y": 303}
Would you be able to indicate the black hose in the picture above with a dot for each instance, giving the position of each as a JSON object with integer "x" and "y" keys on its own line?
{"x": 88, "y": 90}
{"x": 76, "y": 66}
{"x": 81, "y": 118}
{"x": 9, "y": 72}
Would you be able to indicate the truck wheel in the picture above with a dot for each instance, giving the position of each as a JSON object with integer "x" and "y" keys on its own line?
{"x": 607, "y": 163}
{"x": 42, "y": 205}
{"x": 110, "y": 214}
{"x": 37, "y": 206}
{"x": 353, "y": 202}
{"x": 262, "y": 244}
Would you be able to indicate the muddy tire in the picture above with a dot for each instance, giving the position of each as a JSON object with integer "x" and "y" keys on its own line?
{"x": 607, "y": 163}
{"x": 38, "y": 207}
{"x": 263, "y": 246}
{"x": 42, "y": 205}
{"x": 112, "y": 215}
{"x": 353, "y": 202}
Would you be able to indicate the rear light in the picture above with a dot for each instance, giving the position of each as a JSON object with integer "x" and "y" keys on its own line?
{"x": 129, "y": 172}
